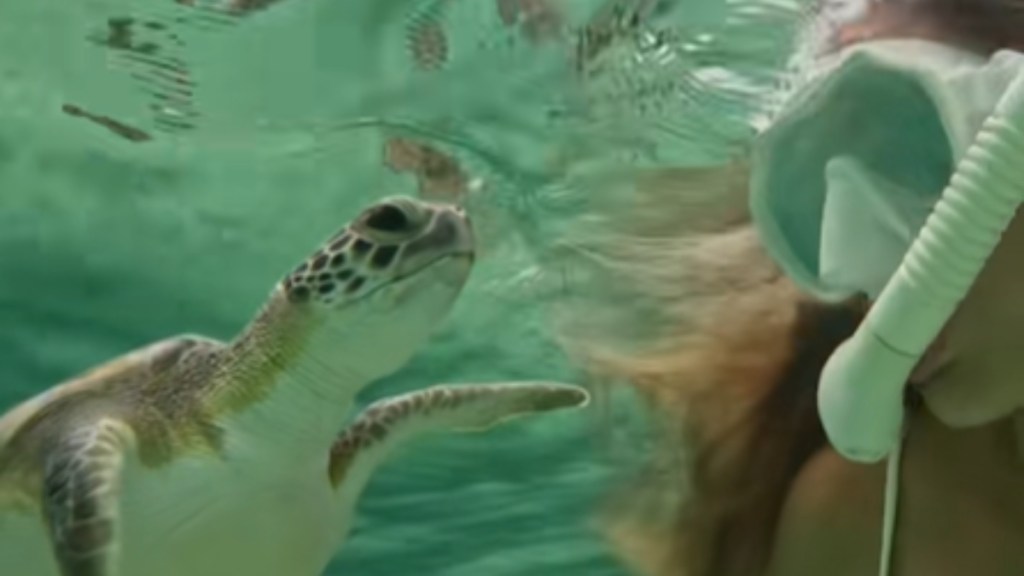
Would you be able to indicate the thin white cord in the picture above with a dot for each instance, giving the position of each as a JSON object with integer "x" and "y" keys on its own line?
{"x": 892, "y": 494}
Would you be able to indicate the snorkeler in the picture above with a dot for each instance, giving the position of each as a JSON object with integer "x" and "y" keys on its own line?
{"x": 882, "y": 191}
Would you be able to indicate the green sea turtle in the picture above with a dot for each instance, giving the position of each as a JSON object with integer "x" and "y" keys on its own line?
{"x": 194, "y": 458}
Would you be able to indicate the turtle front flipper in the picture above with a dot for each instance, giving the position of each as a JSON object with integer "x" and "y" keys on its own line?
{"x": 81, "y": 490}
{"x": 386, "y": 423}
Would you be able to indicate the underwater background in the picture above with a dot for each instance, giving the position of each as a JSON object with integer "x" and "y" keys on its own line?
{"x": 163, "y": 164}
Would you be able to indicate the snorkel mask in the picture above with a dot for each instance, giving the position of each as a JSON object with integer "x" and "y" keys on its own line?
{"x": 861, "y": 391}
{"x": 860, "y": 397}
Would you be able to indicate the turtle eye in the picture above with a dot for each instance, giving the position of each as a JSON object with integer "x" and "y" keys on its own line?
{"x": 387, "y": 218}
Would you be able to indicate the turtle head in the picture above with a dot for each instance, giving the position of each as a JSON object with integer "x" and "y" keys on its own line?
{"x": 374, "y": 292}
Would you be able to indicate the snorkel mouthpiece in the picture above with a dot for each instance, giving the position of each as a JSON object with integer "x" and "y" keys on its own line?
{"x": 860, "y": 397}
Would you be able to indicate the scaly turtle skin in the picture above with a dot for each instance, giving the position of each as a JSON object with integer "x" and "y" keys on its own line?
{"x": 194, "y": 458}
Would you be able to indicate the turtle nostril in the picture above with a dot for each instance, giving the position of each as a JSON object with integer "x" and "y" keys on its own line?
{"x": 387, "y": 218}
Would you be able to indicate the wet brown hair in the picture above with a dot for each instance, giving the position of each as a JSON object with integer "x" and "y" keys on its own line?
{"x": 735, "y": 401}
{"x": 748, "y": 444}
{"x": 733, "y": 388}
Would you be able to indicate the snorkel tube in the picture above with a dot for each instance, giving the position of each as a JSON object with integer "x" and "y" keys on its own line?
{"x": 860, "y": 396}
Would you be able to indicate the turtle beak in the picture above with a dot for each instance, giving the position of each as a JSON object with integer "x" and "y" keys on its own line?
{"x": 448, "y": 234}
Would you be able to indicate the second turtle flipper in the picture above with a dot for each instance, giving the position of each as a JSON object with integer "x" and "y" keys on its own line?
{"x": 386, "y": 423}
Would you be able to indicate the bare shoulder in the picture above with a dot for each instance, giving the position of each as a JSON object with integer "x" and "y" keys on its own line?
{"x": 831, "y": 520}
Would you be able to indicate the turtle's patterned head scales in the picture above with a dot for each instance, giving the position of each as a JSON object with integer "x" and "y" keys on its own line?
{"x": 389, "y": 241}
{"x": 378, "y": 288}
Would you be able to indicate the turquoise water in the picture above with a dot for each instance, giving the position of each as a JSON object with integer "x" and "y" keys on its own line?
{"x": 182, "y": 216}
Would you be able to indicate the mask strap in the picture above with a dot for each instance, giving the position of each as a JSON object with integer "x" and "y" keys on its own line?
{"x": 889, "y": 514}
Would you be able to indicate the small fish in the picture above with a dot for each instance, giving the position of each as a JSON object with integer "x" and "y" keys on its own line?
{"x": 121, "y": 129}
{"x": 428, "y": 43}
{"x": 438, "y": 175}
{"x": 613, "y": 21}
{"x": 538, "y": 20}
{"x": 232, "y": 7}
{"x": 249, "y": 6}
